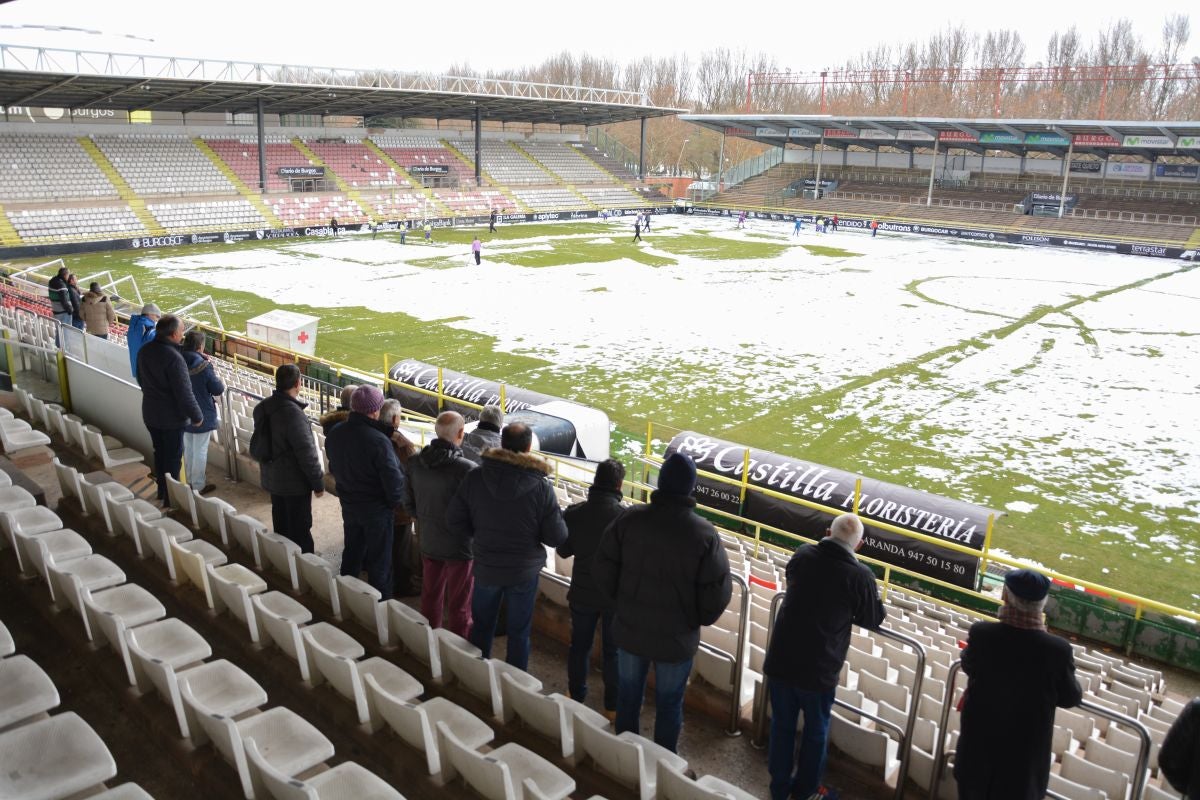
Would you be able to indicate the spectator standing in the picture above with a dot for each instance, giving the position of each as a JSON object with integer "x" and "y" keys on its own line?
{"x": 168, "y": 405}
{"x": 741, "y": 219}
{"x": 1018, "y": 674}
{"x": 586, "y": 523}
{"x": 646, "y": 221}
{"x": 828, "y": 590}
{"x": 333, "y": 225}
{"x": 205, "y": 386}
{"x": 874, "y": 227}
{"x": 485, "y": 435}
{"x": 60, "y": 297}
{"x": 76, "y": 301}
{"x": 835, "y": 223}
{"x": 434, "y": 477}
{"x": 492, "y": 221}
{"x": 637, "y": 229}
{"x": 1179, "y": 758}
{"x": 289, "y": 465}
{"x": 141, "y": 331}
{"x": 508, "y": 507}
{"x": 331, "y": 418}
{"x": 477, "y": 249}
{"x": 428, "y": 231}
{"x": 663, "y": 568}
{"x": 97, "y": 312}
{"x": 798, "y": 226}
{"x": 370, "y": 486}
{"x": 403, "y": 231}
{"x": 402, "y": 522}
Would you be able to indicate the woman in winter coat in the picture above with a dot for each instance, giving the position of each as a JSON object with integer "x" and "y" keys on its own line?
{"x": 205, "y": 386}
{"x": 76, "y": 301}
{"x": 97, "y": 312}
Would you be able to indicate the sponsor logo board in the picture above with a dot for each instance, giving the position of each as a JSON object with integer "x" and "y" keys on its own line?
{"x": 1129, "y": 168}
{"x": 773, "y": 133}
{"x": 1094, "y": 140}
{"x": 957, "y": 136}
{"x": 1052, "y": 139}
{"x": 1000, "y": 137}
{"x": 803, "y": 133}
{"x": 1184, "y": 171}
{"x": 878, "y": 135}
{"x": 1156, "y": 142}
{"x": 914, "y": 136}
{"x": 840, "y": 133}
{"x": 302, "y": 172}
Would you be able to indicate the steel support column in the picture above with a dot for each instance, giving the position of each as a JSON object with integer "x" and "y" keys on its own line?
{"x": 478, "y": 147}
{"x": 1062, "y": 197}
{"x": 642, "y": 152}
{"x": 932, "y": 170}
{"x": 262, "y": 149}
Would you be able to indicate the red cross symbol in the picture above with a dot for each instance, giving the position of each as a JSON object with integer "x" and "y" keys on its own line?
{"x": 303, "y": 337}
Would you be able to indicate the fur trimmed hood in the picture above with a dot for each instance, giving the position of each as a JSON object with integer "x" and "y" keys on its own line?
{"x": 331, "y": 418}
{"x": 523, "y": 460}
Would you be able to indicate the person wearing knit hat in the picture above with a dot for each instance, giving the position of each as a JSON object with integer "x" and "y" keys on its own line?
{"x": 662, "y": 567}
{"x": 1019, "y": 674}
{"x": 370, "y": 486}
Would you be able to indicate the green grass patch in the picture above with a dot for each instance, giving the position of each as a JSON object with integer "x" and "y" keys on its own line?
{"x": 716, "y": 247}
{"x": 831, "y": 252}
{"x": 581, "y": 251}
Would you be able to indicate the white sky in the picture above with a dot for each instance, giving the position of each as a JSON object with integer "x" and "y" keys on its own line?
{"x": 413, "y": 36}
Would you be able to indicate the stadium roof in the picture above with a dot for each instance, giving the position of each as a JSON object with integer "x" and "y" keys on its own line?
{"x": 1101, "y": 137}
{"x": 77, "y": 79}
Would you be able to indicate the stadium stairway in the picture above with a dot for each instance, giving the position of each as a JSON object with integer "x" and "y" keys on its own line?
{"x": 1194, "y": 241}
{"x": 399, "y": 170}
{"x": 343, "y": 187}
{"x": 593, "y": 155}
{"x": 132, "y": 198}
{"x": 8, "y": 234}
{"x": 252, "y": 196}
{"x": 557, "y": 179}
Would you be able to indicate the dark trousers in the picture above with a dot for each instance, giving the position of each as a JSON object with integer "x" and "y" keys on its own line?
{"x": 579, "y": 657}
{"x": 477, "y": 254}
{"x": 670, "y": 683}
{"x": 637, "y": 234}
{"x": 291, "y": 517}
{"x": 492, "y": 226}
{"x": 368, "y": 534}
{"x": 448, "y": 585}
{"x": 792, "y": 775}
{"x": 402, "y": 564}
{"x": 485, "y": 608}
{"x": 168, "y": 456}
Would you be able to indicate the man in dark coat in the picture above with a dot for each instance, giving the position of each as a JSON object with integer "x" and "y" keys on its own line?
{"x": 663, "y": 567}
{"x": 205, "y": 387}
{"x": 586, "y": 523}
{"x": 508, "y": 507}
{"x": 433, "y": 478}
{"x": 1019, "y": 674}
{"x": 828, "y": 590}
{"x": 60, "y": 297}
{"x": 1179, "y": 758}
{"x": 486, "y": 434}
{"x": 291, "y": 473}
{"x": 140, "y": 332}
{"x": 168, "y": 405}
{"x": 370, "y": 486}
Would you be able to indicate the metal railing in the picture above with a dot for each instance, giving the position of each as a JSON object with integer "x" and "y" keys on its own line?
{"x": 941, "y": 757}
{"x": 904, "y": 745}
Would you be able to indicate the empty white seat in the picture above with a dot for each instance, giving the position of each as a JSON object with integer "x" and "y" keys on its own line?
{"x": 317, "y": 575}
{"x": 1111, "y": 782}
{"x": 346, "y": 781}
{"x": 280, "y": 618}
{"x": 504, "y": 773}
{"x": 90, "y": 572}
{"x": 53, "y": 758}
{"x": 127, "y": 604}
{"x": 27, "y": 521}
{"x": 414, "y": 634}
{"x": 479, "y": 676}
{"x": 280, "y": 552}
{"x": 674, "y": 785}
{"x": 7, "y": 645}
{"x": 126, "y": 791}
{"x": 124, "y": 515}
{"x": 550, "y": 715}
{"x": 98, "y": 449}
{"x": 243, "y": 531}
{"x": 212, "y": 513}
{"x": 14, "y": 441}
{"x": 155, "y": 533}
{"x": 347, "y": 676}
{"x": 39, "y": 550}
{"x": 628, "y": 757}
{"x": 1074, "y": 791}
{"x": 189, "y": 562}
{"x": 97, "y": 496}
{"x": 363, "y": 603}
{"x": 417, "y": 724}
{"x": 332, "y": 639}
{"x": 14, "y": 497}
{"x": 232, "y": 586}
{"x": 865, "y": 745}
{"x": 25, "y": 691}
{"x": 157, "y": 652}
{"x": 183, "y": 500}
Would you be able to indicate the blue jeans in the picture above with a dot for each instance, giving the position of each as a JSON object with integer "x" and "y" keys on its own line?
{"x": 485, "y": 608}
{"x": 579, "y": 657}
{"x": 670, "y": 682}
{"x": 793, "y": 776}
{"x": 195, "y": 457}
{"x": 368, "y": 533}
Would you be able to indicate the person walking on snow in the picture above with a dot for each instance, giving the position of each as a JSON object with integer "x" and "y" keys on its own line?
{"x": 741, "y": 219}
{"x": 646, "y": 222}
{"x": 492, "y": 221}
{"x": 637, "y": 230}
{"x": 477, "y": 249}
{"x": 799, "y": 226}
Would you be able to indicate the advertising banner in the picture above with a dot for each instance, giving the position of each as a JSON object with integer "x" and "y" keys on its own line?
{"x": 914, "y": 136}
{"x": 773, "y": 133}
{"x": 878, "y": 135}
{"x": 940, "y": 517}
{"x": 1087, "y": 166}
{"x": 1184, "y": 171}
{"x": 458, "y": 385}
{"x": 1095, "y": 140}
{"x": 803, "y": 133}
{"x": 1188, "y": 143}
{"x": 956, "y": 136}
{"x": 428, "y": 169}
{"x": 738, "y": 132}
{"x": 1051, "y": 197}
{"x": 1050, "y": 139}
{"x": 1128, "y": 168}
{"x": 1156, "y": 142}
{"x": 1000, "y": 137}
{"x": 302, "y": 172}
{"x": 840, "y": 133}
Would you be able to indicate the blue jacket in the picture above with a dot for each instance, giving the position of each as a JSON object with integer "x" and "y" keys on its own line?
{"x": 205, "y": 386}
{"x": 364, "y": 466}
{"x": 509, "y": 509}
{"x": 141, "y": 330}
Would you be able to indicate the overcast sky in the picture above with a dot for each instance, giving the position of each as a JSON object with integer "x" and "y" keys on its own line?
{"x": 412, "y": 35}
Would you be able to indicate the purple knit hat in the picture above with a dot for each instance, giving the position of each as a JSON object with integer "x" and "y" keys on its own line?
{"x": 366, "y": 400}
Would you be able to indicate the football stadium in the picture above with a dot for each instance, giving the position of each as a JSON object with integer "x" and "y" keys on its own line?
{"x": 974, "y": 332}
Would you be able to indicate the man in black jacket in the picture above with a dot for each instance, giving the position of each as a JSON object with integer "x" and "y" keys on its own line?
{"x": 1179, "y": 758}
{"x": 508, "y": 507}
{"x": 370, "y": 486}
{"x": 828, "y": 590}
{"x": 664, "y": 569}
{"x": 168, "y": 405}
{"x": 1019, "y": 674}
{"x": 586, "y": 523}
{"x": 292, "y": 473}
{"x": 433, "y": 477}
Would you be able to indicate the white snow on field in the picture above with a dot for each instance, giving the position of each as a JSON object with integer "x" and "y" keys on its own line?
{"x": 1039, "y": 362}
